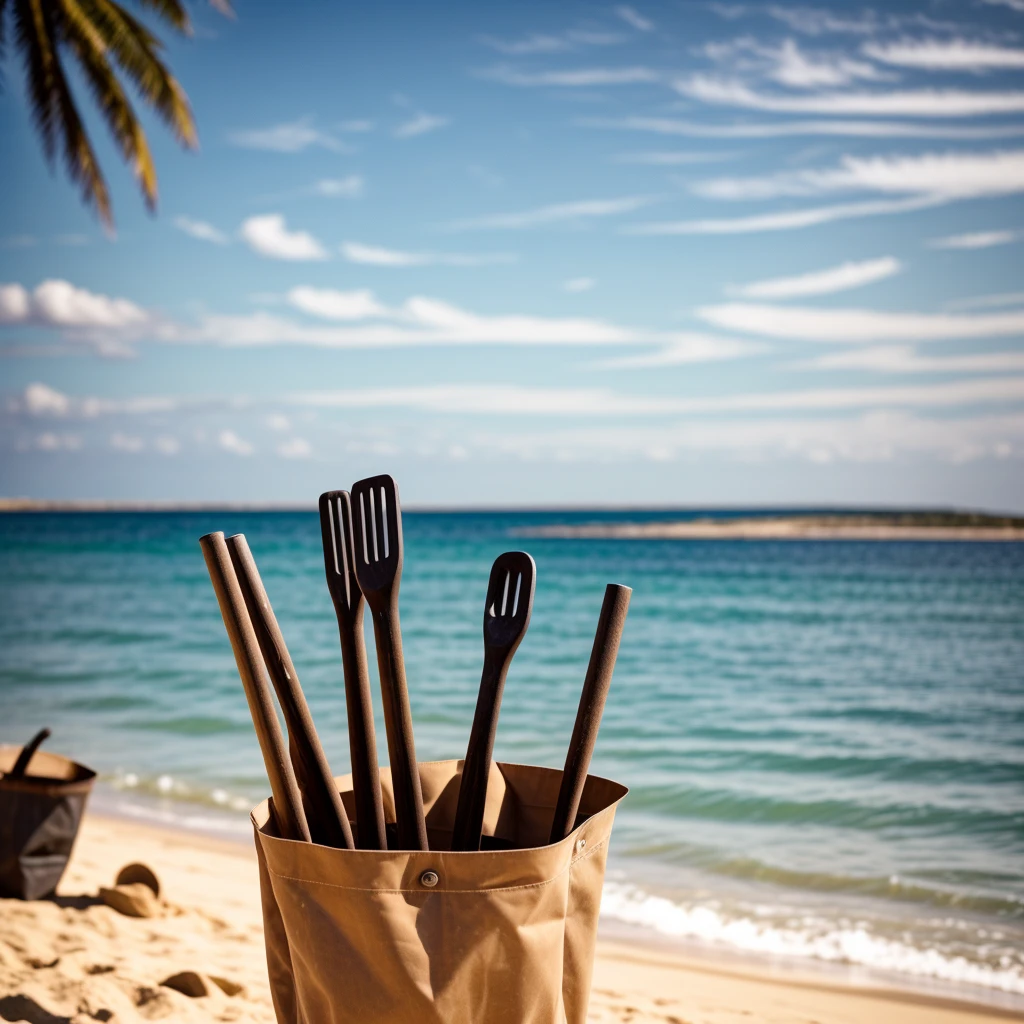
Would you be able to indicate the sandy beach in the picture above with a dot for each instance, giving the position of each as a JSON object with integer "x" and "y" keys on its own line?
{"x": 74, "y": 959}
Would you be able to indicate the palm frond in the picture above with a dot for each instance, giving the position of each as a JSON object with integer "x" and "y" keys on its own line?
{"x": 172, "y": 12}
{"x": 136, "y": 51}
{"x": 3, "y": 25}
{"x": 53, "y": 106}
{"x": 88, "y": 46}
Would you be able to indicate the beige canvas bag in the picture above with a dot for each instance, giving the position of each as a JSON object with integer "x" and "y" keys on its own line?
{"x": 502, "y": 936}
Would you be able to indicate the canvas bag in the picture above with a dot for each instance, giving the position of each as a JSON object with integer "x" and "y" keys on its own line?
{"x": 39, "y": 818}
{"x": 502, "y": 936}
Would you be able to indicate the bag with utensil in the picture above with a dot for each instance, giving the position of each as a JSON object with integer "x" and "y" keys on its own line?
{"x": 42, "y": 799}
{"x": 425, "y": 892}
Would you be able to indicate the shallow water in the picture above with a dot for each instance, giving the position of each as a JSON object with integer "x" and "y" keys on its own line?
{"x": 824, "y": 741}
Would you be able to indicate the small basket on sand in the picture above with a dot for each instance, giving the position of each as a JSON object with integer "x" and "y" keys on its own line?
{"x": 42, "y": 799}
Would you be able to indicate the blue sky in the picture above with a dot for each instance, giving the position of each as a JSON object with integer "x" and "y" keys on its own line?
{"x": 540, "y": 253}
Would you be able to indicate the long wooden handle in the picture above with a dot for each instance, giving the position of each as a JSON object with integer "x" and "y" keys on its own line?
{"x": 476, "y": 769}
{"x": 405, "y": 776}
{"x": 588, "y": 716}
{"x": 287, "y": 802}
{"x": 362, "y": 738}
{"x": 325, "y": 813}
{"x": 27, "y": 751}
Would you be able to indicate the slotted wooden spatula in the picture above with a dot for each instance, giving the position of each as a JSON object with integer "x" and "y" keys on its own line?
{"x": 339, "y": 562}
{"x": 506, "y": 618}
{"x": 377, "y": 531}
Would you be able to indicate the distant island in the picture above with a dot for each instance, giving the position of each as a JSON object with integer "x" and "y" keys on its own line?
{"x": 974, "y": 526}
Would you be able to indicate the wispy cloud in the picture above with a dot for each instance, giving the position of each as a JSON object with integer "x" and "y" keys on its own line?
{"x": 554, "y": 42}
{"x": 784, "y": 129}
{"x": 787, "y": 220}
{"x": 350, "y": 187}
{"x": 289, "y": 137}
{"x": 987, "y": 301}
{"x": 946, "y": 55}
{"x": 572, "y": 78}
{"x": 838, "y": 326}
{"x": 269, "y": 236}
{"x": 420, "y": 124}
{"x": 821, "y": 282}
{"x": 334, "y": 305}
{"x": 578, "y": 284}
{"x": 201, "y": 230}
{"x": 673, "y": 159}
{"x": 1014, "y": 5}
{"x": 977, "y": 239}
{"x": 685, "y": 350}
{"x": 789, "y": 65}
{"x": 904, "y": 359}
{"x": 954, "y": 175}
{"x": 230, "y": 442}
{"x": 378, "y": 256}
{"x": 634, "y": 18}
{"x": 907, "y": 103}
{"x": 578, "y": 210}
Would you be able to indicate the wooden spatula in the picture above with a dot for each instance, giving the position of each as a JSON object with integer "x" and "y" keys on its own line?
{"x": 506, "y": 618}
{"x": 377, "y": 532}
{"x": 336, "y": 529}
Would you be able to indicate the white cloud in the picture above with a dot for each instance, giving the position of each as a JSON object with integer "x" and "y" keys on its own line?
{"x": 167, "y": 445}
{"x": 976, "y": 240}
{"x": 269, "y": 236}
{"x": 42, "y": 400}
{"x": 686, "y": 350}
{"x": 350, "y": 187}
{"x": 50, "y": 442}
{"x": 495, "y": 400}
{"x": 987, "y": 301}
{"x": 903, "y": 359}
{"x": 576, "y": 78}
{"x": 821, "y": 282}
{"x": 946, "y": 55}
{"x": 573, "y": 211}
{"x": 229, "y": 441}
{"x": 540, "y": 42}
{"x": 788, "y": 65}
{"x": 817, "y": 22}
{"x": 787, "y": 220}
{"x": 377, "y": 256}
{"x": 784, "y": 129}
{"x": 335, "y": 305}
{"x": 954, "y": 175}
{"x": 420, "y": 124}
{"x": 633, "y": 17}
{"x": 290, "y": 137}
{"x": 579, "y": 284}
{"x": 201, "y": 230}
{"x": 127, "y": 443}
{"x": 1014, "y": 5}
{"x": 295, "y": 448}
{"x": 859, "y": 325}
{"x": 56, "y": 303}
{"x": 278, "y": 421}
{"x": 906, "y": 103}
{"x": 674, "y": 159}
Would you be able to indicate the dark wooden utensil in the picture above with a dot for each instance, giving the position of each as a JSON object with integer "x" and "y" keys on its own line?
{"x": 377, "y": 533}
{"x": 287, "y": 801}
{"x": 588, "y": 716}
{"x": 507, "y": 611}
{"x": 325, "y": 813}
{"x": 339, "y": 562}
{"x": 27, "y": 751}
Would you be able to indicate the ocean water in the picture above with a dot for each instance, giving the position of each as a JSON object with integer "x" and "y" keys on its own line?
{"x": 824, "y": 741}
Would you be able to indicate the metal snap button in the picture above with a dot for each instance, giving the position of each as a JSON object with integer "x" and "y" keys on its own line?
{"x": 581, "y": 844}
{"x": 429, "y": 879}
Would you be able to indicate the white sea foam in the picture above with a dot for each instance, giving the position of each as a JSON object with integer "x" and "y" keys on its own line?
{"x": 804, "y": 936}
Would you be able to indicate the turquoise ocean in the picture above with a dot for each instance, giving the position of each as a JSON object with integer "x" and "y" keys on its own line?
{"x": 824, "y": 740}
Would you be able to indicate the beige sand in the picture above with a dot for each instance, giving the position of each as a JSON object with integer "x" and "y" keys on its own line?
{"x": 77, "y": 961}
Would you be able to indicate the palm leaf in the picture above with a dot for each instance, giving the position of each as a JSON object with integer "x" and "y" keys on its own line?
{"x": 53, "y": 106}
{"x": 171, "y": 11}
{"x": 88, "y": 46}
{"x": 135, "y": 49}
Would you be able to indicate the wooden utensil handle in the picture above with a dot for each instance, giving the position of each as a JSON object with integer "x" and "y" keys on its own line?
{"x": 476, "y": 769}
{"x": 592, "y": 701}
{"x": 405, "y": 776}
{"x": 362, "y": 739}
{"x": 287, "y": 802}
{"x": 325, "y": 813}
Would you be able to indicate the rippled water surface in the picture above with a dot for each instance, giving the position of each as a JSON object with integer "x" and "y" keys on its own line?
{"x": 824, "y": 741}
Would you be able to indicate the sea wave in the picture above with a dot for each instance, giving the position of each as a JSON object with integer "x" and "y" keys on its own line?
{"x": 768, "y": 932}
